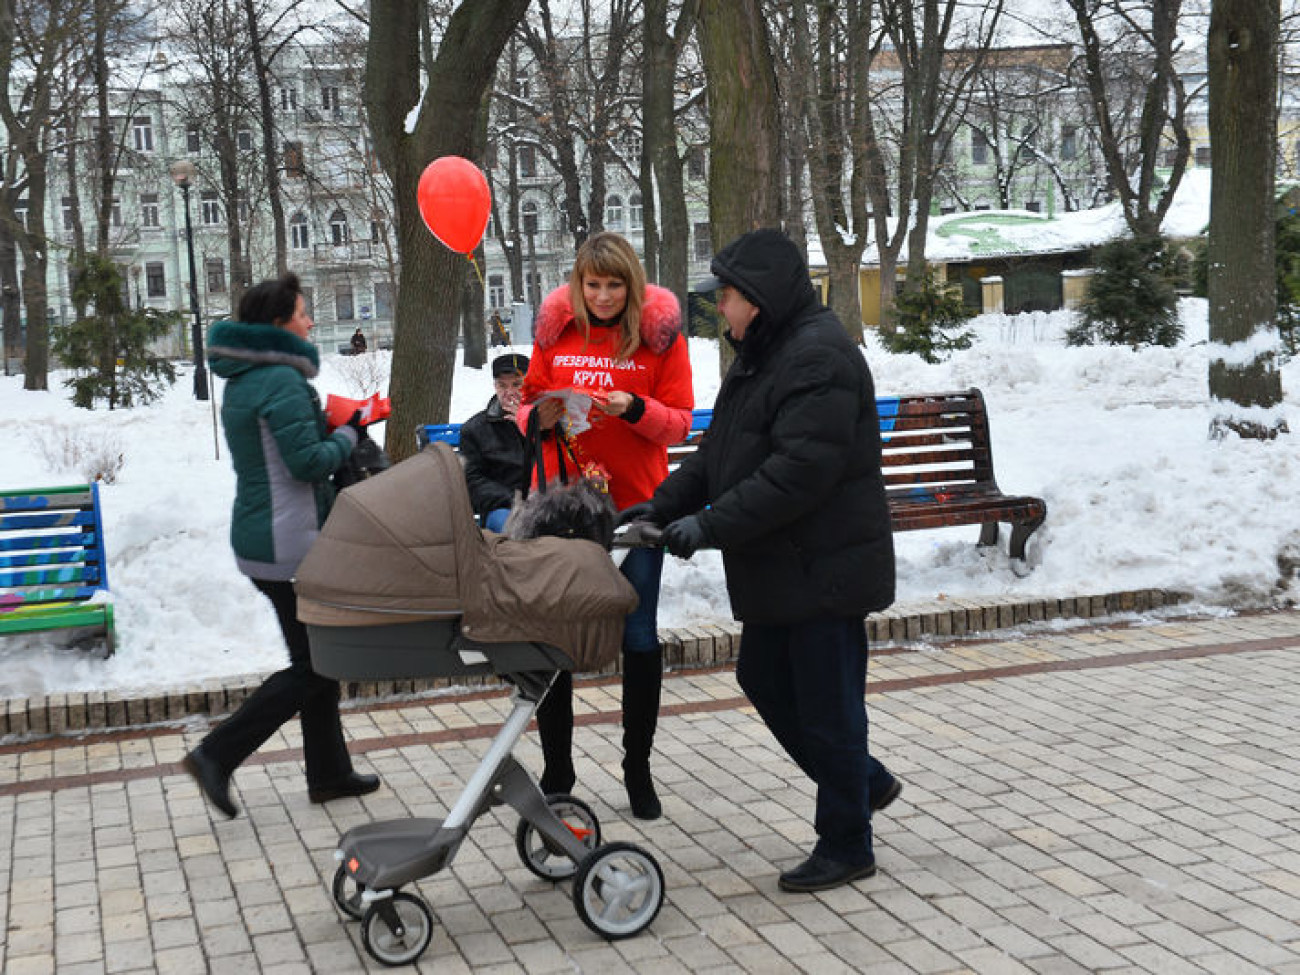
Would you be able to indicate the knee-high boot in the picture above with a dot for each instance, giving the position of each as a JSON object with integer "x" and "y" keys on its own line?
{"x": 555, "y": 727}
{"x": 642, "y": 679}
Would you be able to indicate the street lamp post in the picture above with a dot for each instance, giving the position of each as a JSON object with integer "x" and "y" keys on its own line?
{"x": 182, "y": 172}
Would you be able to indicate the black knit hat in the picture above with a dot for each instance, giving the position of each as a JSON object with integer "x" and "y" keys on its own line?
{"x": 511, "y": 362}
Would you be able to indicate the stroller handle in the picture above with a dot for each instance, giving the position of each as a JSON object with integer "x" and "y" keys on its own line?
{"x": 638, "y": 534}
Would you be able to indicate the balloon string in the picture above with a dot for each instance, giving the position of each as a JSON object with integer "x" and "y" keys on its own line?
{"x": 481, "y": 284}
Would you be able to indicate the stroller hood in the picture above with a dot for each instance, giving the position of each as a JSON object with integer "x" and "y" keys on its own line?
{"x": 404, "y": 547}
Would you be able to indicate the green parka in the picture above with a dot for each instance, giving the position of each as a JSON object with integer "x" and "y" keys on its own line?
{"x": 278, "y": 440}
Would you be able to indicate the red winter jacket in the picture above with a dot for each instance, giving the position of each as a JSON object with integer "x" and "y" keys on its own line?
{"x": 634, "y": 455}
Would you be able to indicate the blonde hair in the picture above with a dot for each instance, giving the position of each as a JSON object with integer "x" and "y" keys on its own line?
{"x": 609, "y": 255}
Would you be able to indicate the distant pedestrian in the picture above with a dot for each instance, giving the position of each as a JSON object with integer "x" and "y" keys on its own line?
{"x": 283, "y": 460}
{"x": 787, "y": 483}
{"x": 494, "y": 450}
{"x": 358, "y": 343}
{"x": 497, "y": 330}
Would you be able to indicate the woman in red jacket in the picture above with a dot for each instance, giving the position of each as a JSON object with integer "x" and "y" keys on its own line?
{"x": 613, "y": 335}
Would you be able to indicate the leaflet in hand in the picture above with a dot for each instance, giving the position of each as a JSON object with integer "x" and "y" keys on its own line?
{"x": 577, "y": 404}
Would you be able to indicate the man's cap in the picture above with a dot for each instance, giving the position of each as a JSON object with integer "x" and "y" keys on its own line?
{"x": 711, "y": 283}
{"x": 511, "y": 362}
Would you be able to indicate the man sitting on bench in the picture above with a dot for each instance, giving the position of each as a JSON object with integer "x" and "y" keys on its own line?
{"x": 496, "y": 458}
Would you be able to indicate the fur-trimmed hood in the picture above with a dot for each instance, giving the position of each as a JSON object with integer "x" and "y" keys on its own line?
{"x": 661, "y": 318}
{"x": 235, "y": 347}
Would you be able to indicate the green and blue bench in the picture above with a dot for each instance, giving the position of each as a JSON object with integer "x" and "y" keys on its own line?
{"x": 936, "y": 458}
{"x": 53, "y": 570}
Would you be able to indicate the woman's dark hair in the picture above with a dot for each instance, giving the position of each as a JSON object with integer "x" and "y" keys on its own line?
{"x": 272, "y": 301}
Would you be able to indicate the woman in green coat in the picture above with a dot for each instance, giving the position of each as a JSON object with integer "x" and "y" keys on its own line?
{"x": 283, "y": 456}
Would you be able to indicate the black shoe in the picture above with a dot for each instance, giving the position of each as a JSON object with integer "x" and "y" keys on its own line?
{"x": 356, "y": 784}
{"x": 641, "y": 792}
{"x": 878, "y": 803}
{"x": 558, "y": 779}
{"x": 212, "y": 780}
{"x": 818, "y": 873}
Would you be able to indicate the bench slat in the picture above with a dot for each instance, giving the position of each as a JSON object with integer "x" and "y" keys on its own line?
{"x": 41, "y": 499}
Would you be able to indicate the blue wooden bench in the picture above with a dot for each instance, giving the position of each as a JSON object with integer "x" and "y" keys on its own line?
{"x": 53, "y": 572}
{"x": 936, "y": 458}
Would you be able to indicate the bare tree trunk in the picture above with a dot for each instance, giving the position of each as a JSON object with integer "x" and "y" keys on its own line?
{"x": 1244, "y": 380}
{"x": 427, "y": 313}
{"x": 270, "y": 157}
{"x": 745, "y": 191}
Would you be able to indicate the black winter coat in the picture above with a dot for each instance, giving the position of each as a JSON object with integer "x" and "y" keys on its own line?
{"x": 496, "y": 459}
{"x": 791, "y": 461}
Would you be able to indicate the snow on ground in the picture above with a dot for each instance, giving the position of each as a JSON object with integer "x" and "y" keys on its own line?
{"x": 1114, "y": 440}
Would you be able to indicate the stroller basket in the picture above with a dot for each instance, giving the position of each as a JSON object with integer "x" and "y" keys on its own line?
{"x": 402, "y": 584}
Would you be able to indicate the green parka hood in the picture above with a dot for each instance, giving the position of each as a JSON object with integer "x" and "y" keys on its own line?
{"x": 236, "y": 347}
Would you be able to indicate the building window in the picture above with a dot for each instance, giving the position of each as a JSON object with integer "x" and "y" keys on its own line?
{"x": 1033, "y": 206}
{"x": 1202, "y": 155}
{"x": 527, "y": 161}
{"x": 211, "y": 208}
{"x": 529, "y": 213}
{"x": 496, "y": 290}
{"x": 329, "y": 98}
{"x": 383, "y": 299}
{"x": 635, "y": 213}
{"x": 244, "y": 140}
{"x": 60, "y": 140}
{"x": 68, "y": 213}
{"x": 1069, "y": 142}
{"x": 703, "y": 242}
{"x": 215, "y": 268}
{"x": 192, "y": 142}
{"x": 293, "y": 160}
{"x": 376, "y": 231}
{"x": 979, "y": 147}
{"x": 115, "y": 212}
{"x": 20, "y": 212}
{"x": 299, "y": 235}
{"x": 149, "y": 209}
{"x": 338, "y": 228}
{"x": 289, "y": 99}
{"x": 142, "y": 134}
{"x": 614, "y": 212}
{"x": 344, "y": 308}
{"x": 695, "y": 167}
{"x": 155, "y": 279}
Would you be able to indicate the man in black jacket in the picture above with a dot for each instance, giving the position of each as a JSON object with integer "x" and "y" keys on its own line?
{"x": 787, "y": 483}
{"x": 495, "y": 452}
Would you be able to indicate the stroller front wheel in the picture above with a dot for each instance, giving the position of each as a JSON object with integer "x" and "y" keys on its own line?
{"x": 397, "y": 929}
{"x": 545, "y": 858}
{"x": 618, "y": 891}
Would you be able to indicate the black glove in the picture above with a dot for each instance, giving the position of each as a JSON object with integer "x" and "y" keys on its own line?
{"x": 355, "y": 422}
{"x": 685, "y": 536}
{"x": 643, "y": 511}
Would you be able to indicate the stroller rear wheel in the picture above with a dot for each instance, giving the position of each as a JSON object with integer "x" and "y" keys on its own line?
{"x": 618, "y": 890}
{"x": 397, "y": 929}
{"x": 543, "y": 857}
{"x": 347, "y": 893}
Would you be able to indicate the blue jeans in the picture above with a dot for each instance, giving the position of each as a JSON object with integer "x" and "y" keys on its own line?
{"x": 643, "y": 568}
{"x": 496, "y": 520}
{"x": 808, "y": 682}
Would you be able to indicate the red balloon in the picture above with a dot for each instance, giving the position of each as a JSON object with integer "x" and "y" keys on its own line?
{"x": 454, "y": 202}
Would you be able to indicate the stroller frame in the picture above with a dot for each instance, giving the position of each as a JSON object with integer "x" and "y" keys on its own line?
{"x": 618, "y": 887}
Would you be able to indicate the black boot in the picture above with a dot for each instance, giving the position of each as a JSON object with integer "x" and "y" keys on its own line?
{"x": 642, "y": 678}
{"x": 555, "y": 727}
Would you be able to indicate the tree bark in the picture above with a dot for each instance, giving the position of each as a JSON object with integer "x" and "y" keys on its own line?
{"x": 1243, "y": 377}
{"x": 270, "y": 157}
{"x": 428, "y": 306}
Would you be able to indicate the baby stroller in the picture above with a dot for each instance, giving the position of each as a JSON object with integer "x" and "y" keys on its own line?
{"x": 402, "y": 584}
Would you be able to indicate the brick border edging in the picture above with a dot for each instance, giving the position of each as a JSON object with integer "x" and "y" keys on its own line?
{"x": 706, "y": 645}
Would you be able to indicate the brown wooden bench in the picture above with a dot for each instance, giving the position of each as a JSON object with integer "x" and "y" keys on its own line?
{"x": 936, "y": 458}
{"x": 938, "y": 467}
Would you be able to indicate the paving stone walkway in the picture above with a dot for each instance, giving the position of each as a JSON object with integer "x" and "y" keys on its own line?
{"x": 1106, "y": 799}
